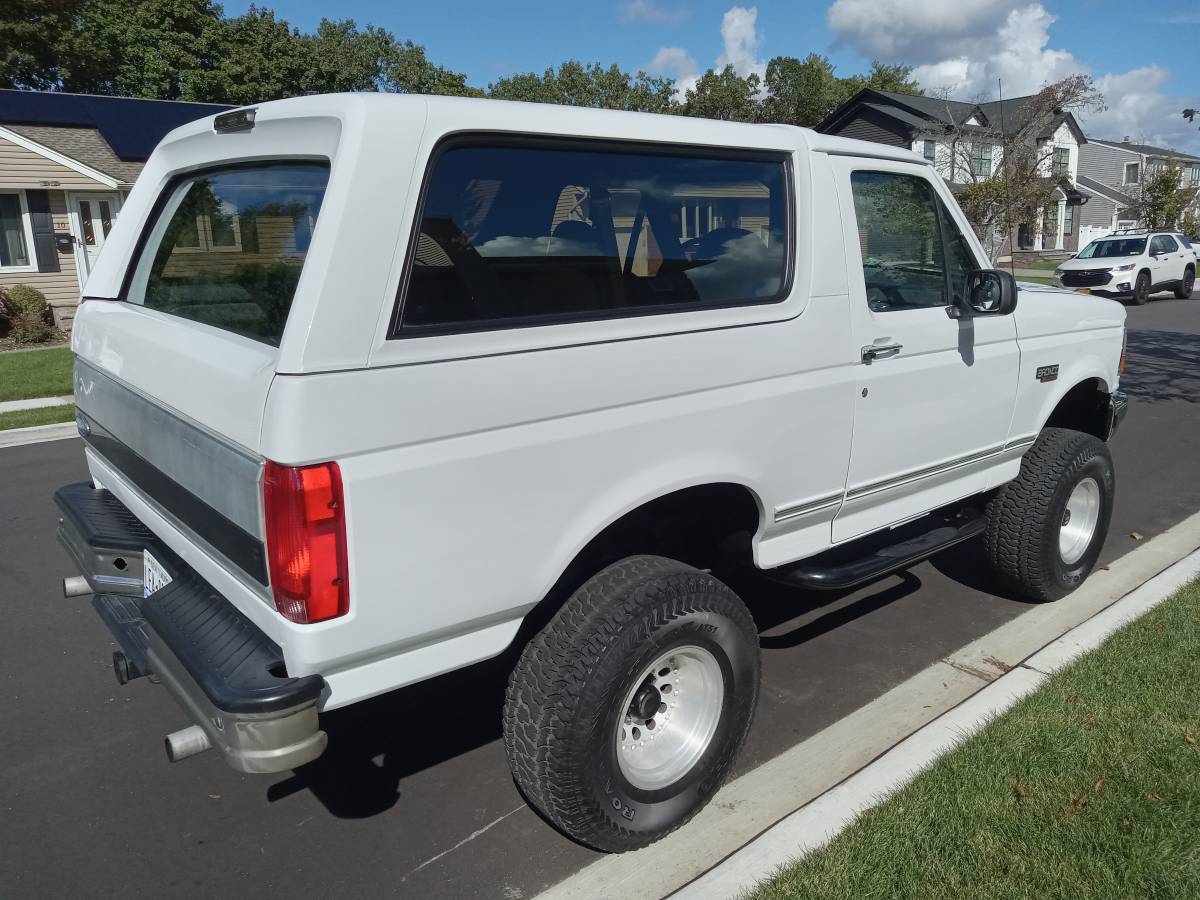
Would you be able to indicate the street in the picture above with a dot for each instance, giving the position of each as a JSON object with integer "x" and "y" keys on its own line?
{"x": 414, "y": 796}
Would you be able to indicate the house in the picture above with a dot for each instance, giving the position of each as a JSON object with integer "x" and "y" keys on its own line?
{"x": 1110, "y": 173}
{"x": 67, "y": 161}
{"x": 965, "y": 143}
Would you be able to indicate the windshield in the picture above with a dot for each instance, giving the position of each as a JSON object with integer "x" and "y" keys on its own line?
{"x": 1110, "y": 248}
{"x": 228, "y": 246}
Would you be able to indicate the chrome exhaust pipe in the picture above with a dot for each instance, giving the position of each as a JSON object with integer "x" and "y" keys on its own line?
{"x": 186, "y": 742}
{"x": 76, "y": 586}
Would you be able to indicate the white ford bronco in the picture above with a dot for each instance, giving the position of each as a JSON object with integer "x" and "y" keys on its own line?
{"x": 376, "y": 387}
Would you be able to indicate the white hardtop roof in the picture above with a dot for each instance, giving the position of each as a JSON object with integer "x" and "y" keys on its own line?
{"x": 473, "y": 114}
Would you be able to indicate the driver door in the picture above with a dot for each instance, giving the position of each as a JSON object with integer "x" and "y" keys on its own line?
{"x": 935, "y": 394}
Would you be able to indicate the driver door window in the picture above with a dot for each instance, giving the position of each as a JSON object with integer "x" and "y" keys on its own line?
{"x": 904, "y": 265}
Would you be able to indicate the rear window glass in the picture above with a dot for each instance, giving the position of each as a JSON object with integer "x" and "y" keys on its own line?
{"x": 514, "y": 235}
{"x": 228, "y": 245}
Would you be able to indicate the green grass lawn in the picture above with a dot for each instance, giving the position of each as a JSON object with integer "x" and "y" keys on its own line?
{"x": 47, "y": 415}
{"x": 1048, "y": 264}
{"x": 1088, "y": 788}
{"x": 1037, "y": 279}
{"x": 35, "y": 373}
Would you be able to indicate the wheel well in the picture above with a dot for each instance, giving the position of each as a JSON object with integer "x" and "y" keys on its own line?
{"x": 1083, "y": 408}
{"x": 707, "y": 526}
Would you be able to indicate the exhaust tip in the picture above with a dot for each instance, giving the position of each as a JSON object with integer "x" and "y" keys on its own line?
{"x": 76, "y": 586}
{"x": 186, "y": 742}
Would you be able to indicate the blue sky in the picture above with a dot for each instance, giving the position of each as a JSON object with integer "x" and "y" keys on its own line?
{"x": 1145, "y": 62}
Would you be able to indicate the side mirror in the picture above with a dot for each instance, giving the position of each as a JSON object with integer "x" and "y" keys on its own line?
{"x": 990, "y": 292}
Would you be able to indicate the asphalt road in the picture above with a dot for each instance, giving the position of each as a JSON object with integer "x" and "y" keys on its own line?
{"x": 414, "y": 796}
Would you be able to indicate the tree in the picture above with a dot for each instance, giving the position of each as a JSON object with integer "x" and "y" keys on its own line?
{"x": 896, "y": 79}
{"x": 1016, "y": 191}
{"x": 802, "y": 92}
{"x": 31, "y": 41}
{"x": 576, "y": 84}
{"x": 724, "y": 95}
{"x": 1163, "y": 198}
{"x": 154, "y": 48}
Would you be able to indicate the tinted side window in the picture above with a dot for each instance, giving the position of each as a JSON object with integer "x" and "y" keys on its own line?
{"x": 532, "y": 233}
{"x": 1165, "y": 244}
{"x": 904, "y": 265}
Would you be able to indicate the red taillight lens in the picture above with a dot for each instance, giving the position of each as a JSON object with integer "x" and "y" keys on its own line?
{"x": 306, "y": 540}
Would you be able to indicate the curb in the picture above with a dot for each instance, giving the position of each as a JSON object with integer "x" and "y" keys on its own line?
{"x": 750, "y": 806}
{"x": 34, "y": 403}
{"x": 37, "y": 434}
{"x": 814, "y": 825}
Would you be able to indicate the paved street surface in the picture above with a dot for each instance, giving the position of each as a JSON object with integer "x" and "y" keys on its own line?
{"x": 414, "y": 796}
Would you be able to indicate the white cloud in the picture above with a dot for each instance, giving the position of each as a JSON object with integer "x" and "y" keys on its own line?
{"x": 1137, "y": 107}
{"x": 652, "y": 12}
{"x": 740, "y": 45}
{"x": 739, "y": 31}
{"x": 964, "y": 46}
{"x": 916, "y": 32}
{"x": 678, "y": 64}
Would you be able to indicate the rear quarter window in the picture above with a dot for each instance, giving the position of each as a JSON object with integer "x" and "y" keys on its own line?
{"x": 528, "y": 232}
{"x": 226, "y": 246}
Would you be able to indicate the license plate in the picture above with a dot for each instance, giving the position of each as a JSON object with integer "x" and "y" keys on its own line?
{"x": 154, "y": 576}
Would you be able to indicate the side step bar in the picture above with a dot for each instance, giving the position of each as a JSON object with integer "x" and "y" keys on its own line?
{"x": 835, "y": 570}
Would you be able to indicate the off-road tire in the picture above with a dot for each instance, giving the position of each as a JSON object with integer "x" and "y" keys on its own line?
{"x": 1141, "y": 289}
{"x": 563, "y": 703}
{"x": 1025, "y": 515}
{"x": 1187, "y": 284}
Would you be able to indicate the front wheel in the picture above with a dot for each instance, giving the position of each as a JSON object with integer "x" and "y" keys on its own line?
{"x": 1045, "y": 528}
{"x": 1141, "y": 289}
{"x": 625, "y": 713}
{"x": 1187, "y": 285}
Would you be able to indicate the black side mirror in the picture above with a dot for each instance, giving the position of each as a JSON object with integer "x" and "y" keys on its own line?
{"x": 990, "y": 292}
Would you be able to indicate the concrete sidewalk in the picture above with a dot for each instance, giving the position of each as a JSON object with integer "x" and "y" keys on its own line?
{"x": 7, "y": 406}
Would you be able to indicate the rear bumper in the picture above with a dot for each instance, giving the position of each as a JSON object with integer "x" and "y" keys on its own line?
{"x": 216, "y": 663}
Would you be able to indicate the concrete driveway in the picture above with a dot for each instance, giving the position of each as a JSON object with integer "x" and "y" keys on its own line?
{"x": 414, "y": 796}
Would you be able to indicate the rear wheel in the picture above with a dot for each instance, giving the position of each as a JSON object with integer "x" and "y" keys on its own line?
{"x": 1045, "y": 529}
{"x": 1141, "y": 289}
{"x": 1187, "y": 285}
{"x": 625, "y": 713}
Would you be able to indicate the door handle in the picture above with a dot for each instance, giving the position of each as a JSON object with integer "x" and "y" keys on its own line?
{"x": 873, "y": 352}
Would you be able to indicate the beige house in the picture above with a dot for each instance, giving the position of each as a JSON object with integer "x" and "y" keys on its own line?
{"x": 67, "y": 162}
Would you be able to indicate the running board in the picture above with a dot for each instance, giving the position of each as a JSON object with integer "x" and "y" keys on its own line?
{"x": 835, "y": 570}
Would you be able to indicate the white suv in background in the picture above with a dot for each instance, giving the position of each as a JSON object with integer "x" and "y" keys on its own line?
{"x": 1132, "y": 265}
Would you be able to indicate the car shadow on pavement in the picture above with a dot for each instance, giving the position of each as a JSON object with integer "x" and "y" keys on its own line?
{"x": 375, "y": 744}
{"x": 1163, "y": 365}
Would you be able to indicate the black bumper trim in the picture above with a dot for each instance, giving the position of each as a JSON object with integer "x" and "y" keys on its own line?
{"x": 238, "y": 668}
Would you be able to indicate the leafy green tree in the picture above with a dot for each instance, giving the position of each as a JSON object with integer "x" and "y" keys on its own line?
{"x": 253, "y": 57}
{"x": 725, "y": 95}
{"x": 1163, "y": 197}
{"x": 408, "y": 71}
{"x": 32, "y": 36}
{"x": 801, "y": 92}
{"x": 896, "y": 79}
{"x": 154, "y": 48}
{"x": 576, "y": 84}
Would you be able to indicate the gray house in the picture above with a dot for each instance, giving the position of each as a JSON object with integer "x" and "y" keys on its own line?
{"x": 1110, "y": 174}
{"x": 965, "y": 142}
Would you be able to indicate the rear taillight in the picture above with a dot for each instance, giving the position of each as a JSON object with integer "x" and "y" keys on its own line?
{"x": 306, "y": 540}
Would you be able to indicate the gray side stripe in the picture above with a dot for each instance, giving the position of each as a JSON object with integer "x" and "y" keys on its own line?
{"x": 808, "y": 506}
{"x": 222, "y": 475}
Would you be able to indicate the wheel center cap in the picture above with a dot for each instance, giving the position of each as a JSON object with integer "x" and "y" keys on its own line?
{"x": 645, "y": 702}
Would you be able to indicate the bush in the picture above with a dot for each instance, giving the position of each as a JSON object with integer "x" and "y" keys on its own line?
{"x": 28, "y": 315}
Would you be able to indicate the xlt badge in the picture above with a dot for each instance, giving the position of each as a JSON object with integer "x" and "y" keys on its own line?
{"x": 1047, "y": 373}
